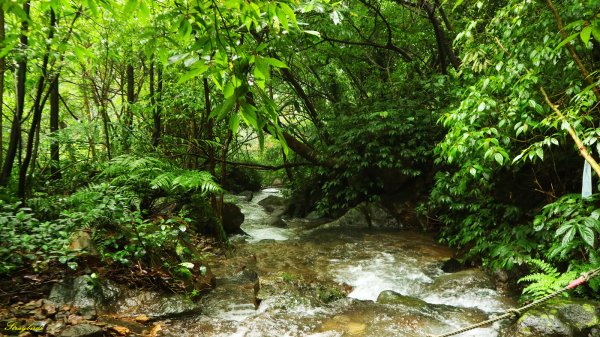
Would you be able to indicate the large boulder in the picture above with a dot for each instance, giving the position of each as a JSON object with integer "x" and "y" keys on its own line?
{"x": 559, "y": 318}
{"x": 157, "y": 306}
{"x": 82, "y": 330}
{"x": 272, "y": 203}
{"x": 85, "y": 293}
{"x": 232, "y": 218}
{"x": 246, "y": 195}
{"x": 392, "y": 297}
{"x": 367, "y": 214}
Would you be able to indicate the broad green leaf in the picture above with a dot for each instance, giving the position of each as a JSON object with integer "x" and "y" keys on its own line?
{"x": 224, "y": 107}
{"x": 234, "y": 123}
{"x": 585, "y": 35}
{"x": 249, "y": 116}
{"x": 587, "y": 234}
{"x": 194, "y": 72}
{"x": 568, "y": 236}
{"x": 499, "y": 158}
{"x": 274, "y": 62}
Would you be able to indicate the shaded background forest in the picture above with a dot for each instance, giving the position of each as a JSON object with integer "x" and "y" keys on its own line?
{"x": 108, "y": 106}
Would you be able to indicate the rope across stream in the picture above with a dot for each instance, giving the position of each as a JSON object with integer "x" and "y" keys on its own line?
{"x": 513, "y": 313}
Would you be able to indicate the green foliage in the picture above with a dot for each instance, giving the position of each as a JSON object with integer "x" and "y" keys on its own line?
{"x": 505, "y": 154}
{"x": 143, "y": 173}
{"x": 366, "y": 149}
{"x": 545, "y": 281}
{"x": 575, "y": 223}
{"x": 27, "y": 241}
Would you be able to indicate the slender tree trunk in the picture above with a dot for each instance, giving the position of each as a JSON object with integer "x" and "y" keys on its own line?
{"x": 130, "y": 101}
{"x": 54, "y": 145}
{"x": 105, "y": 125}
{"x": 2, "y": 70}
{"x": 15, "y": 131}
{"x": 37, "y": 112}
{"x": 155, "y": 111}
{"x": 88, "y": 109}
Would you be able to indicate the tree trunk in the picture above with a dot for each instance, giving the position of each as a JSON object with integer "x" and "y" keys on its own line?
{"x": 15, "y": 131}
{"x": 2, "y": 70}
{"x": 54, "y": 145}
{"x": 155, "y": 101}
{"x": 37, "y": 112}
{"x": 130, "y": 102}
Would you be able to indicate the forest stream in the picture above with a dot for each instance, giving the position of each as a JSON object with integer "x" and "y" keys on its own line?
{"x": 326, "y": 282}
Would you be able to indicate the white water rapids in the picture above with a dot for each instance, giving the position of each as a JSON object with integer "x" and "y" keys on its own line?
{"x": 292, "y": 262}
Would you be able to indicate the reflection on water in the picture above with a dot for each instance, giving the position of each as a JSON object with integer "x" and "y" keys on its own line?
{"x": 295, "y": 263}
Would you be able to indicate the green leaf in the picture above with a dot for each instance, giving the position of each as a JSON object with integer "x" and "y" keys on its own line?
{"x": 274, "y": 62}
{"x": 596, "y": 33}
{"x": 568, "y": 236}
{"x": 499, "y": 158}
{"x": 481, "y": 106}
{"x": 224, "y": 108}
{"x": 587, "y": 234}
{"x": 540, "y": 152}
{"x": 194, "y": 72}
{"x": 249, "y": 116}
{"x": 585, "y": 35}
{"x": 565, "y": 41}
{"x": 234, "y": 123}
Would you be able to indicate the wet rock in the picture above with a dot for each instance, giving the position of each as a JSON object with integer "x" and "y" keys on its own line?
{"x": 83, "y": 330}
{"x": 246, "y": 195}
{"x": 272, "y": 202}
{"x": 379, "y": 216}
{"x": 314, "y": 215}
{"x": 157, "y": 306}
{"x": 392, "y": 297}
{"x": 371, "y": 214}
{"x": 275, "y": 220}
{"x": 559, "y": 318}
{"x": 452, "y": 265}
{"x": 82, "y": 241}
{"x": 49, "y": 309}
{"x": 232, "y": 218}
{"x": 54, "y": 328}
{"x": 80, "y": 293}
{"x": 462, "y": 281}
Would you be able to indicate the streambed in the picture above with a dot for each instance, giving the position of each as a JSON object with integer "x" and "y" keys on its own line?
{"x": 305, "y": 281}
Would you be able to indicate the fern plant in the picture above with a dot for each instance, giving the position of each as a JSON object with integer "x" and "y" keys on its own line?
{"x": 545, "y": 280}
{"x": 143, "y": 173}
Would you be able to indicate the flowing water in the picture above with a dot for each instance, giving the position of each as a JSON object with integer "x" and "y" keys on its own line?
{"x": 326, "y": 283}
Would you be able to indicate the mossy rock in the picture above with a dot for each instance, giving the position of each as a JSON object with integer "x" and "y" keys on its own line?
{"x": 392, "y": 297}
{"x": 559, "y": 318}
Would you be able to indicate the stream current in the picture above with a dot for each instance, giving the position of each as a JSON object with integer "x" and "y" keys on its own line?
{"x": 298, "y": 266}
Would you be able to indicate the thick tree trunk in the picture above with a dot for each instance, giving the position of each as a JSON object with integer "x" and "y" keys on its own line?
{"x": 15, "y": 131}
{"x": 54, "y": 145}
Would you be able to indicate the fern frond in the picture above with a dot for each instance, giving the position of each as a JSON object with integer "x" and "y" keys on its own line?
{"x": 546, "y": 281}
